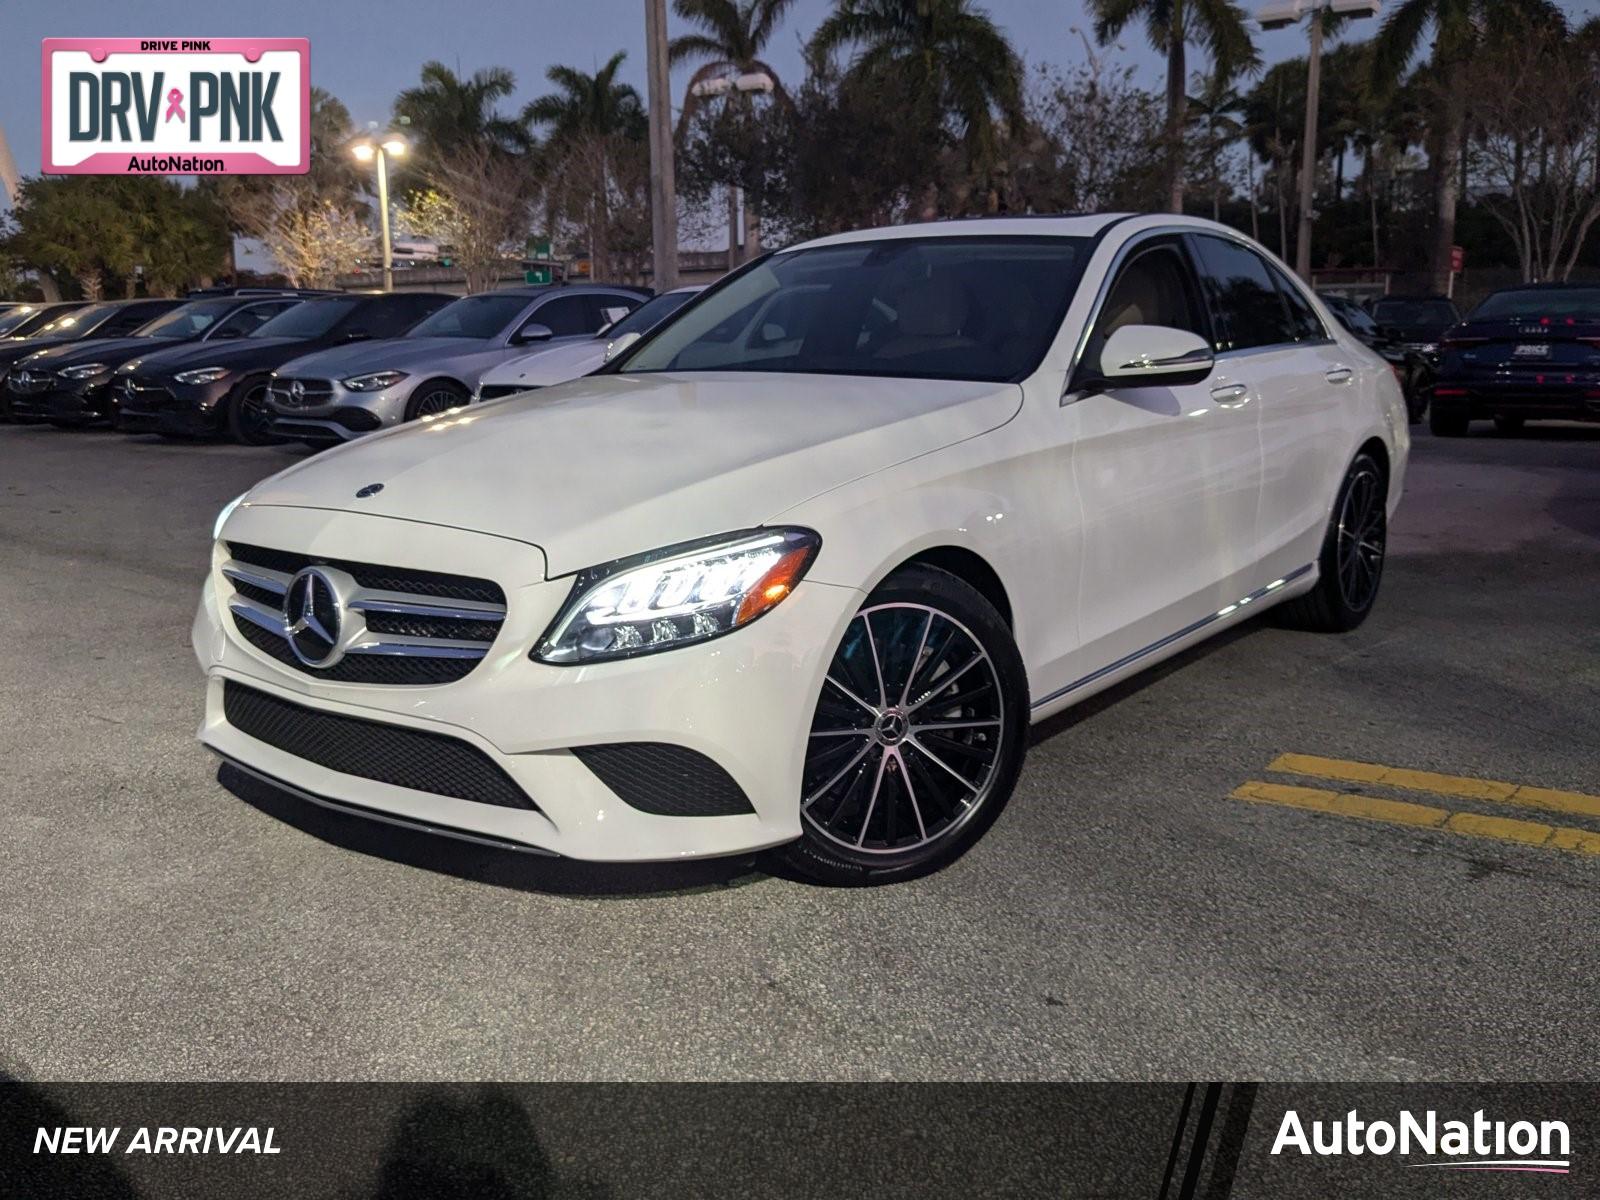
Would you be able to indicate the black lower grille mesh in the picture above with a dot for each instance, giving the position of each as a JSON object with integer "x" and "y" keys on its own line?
{"x": 408, "y": 758}
{"x": 667, "y": 780}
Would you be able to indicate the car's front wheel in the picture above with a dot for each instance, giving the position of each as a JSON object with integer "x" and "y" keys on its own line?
{"x": 249, "y": 420}
{"x": 434, "y": 397}
{"x": 918, "y": 734}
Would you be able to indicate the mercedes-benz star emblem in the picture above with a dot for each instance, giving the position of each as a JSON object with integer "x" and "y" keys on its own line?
{"x": 312, "y": 615}
{"x": 297, "y": 390}
{"x": 372, "y": 489}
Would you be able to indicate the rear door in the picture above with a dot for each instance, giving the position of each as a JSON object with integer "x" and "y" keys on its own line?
{"x": 1275, "y": 344}
{"x": 1167, "y": 477}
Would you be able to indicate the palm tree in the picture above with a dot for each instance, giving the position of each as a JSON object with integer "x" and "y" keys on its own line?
{"x": 1217, "y": 108}
{"x": 585, "y": 119}
{"x": 1219, "y": 26}
{"x": 445, "y": 111}
{"x": 734, "y": 36}
{"x": 1460, "y": 28}
{"x": 946, "y": 58}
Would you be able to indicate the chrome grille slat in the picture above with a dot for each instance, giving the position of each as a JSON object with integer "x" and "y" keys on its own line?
{"x": 261, "y": 577}
{"x": 395, "y": 643}
{"x": 401, "y": 603}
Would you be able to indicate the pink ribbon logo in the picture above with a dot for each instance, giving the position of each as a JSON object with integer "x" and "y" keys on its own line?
{"x": 175, "y": 105}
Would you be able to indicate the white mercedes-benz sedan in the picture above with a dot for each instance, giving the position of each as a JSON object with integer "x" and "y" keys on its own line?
{"x": 798, "y": 568}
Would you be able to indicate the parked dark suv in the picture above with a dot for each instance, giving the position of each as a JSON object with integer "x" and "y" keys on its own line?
{"x": 70, "y": 384}
{"x": 212, "y": 388}
{"x": 1409, "y": 329}
{"x": 85, "y": 322}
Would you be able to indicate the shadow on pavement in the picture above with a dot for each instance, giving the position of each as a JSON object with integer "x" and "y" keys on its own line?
{"x": 488, "y": 864}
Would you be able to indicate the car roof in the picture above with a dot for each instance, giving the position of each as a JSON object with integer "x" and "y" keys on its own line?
{"x": 1058, "y": 225}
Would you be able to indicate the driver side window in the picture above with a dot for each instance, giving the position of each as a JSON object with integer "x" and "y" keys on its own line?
{"x": 1154, "y": 287}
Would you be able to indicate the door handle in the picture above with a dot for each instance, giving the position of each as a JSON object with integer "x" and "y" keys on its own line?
{"x": 1231, "y": 395}
{"x": 1337, "y": 375}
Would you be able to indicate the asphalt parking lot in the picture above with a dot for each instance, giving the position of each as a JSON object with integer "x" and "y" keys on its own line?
{"x": 1167, "y": 896}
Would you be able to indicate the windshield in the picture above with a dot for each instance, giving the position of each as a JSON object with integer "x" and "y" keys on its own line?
{"x": 978, "y": 308}
{"x": 647, "y": 316}
{"x": 480, "y": 316}
{"x": 187, "y": 320}
{"x": 1414, "y": 312}
{"x": 311, "y": 319}
{"x": 79, "y": 320}
{"x": 14, "y": 321}
{"x": 1566, "y": 302}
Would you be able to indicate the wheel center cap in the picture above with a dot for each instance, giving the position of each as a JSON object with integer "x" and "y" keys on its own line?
{"x": 891, "y": 727}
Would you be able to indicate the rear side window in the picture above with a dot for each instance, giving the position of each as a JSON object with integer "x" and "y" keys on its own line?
{"x": 568, "y": 316}
{"x": 385, "y": 318}
{"x": 1303, "y": 318}
{"x": 1252, "y": 309}
{"x": 132, "y": 317}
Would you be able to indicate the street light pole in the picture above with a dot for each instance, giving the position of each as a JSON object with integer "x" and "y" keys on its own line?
{"x": 383, "y": 219}
{"x": 1308, "y": 157}
{"x": 663, "y": 189}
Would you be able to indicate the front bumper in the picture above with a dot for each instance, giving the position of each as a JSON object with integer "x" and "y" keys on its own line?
{"x": 744, "y": 701}
{"x": 332, "y": 413}
{"x": 161, "y": 405}
{"x": 83, "y": 400}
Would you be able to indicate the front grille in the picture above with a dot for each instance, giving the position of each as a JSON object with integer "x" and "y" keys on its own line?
{"x": 398, "y": 626}
{"x": 28, "y": 383}
{"x": 310, "y": 394}
{"x": 392, "y": 754}
{"x": 667, "y": 780}
{"x": 146, "y": 397}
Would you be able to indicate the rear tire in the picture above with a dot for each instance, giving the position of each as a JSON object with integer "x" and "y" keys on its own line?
{"x": 1509, "y": 426}
{"x": 249, "y": 420}
{"x": 1350, "y": 565}
{"x": 917, "y": 738}
{"x": 1446, "y": 422}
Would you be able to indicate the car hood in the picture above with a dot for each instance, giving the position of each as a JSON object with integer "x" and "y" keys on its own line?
{"x": 389, "y": 354}
{"x": 14, "y": 349}
{"x": 614, "y": 465}
{"x": 555, "y": 364}
{"x": 109, "y": 350}
{"x": 251, "y": 354}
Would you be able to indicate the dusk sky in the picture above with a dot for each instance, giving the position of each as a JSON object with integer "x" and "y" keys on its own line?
{"x": 364, "y": 52}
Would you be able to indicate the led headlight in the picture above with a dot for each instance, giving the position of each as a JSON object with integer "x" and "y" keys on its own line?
{"x": 227, "y": 511}
{"x": 202, "y": 375}
{"x": 678, "y": 596}
{"x": 374, "y": 382}
{"x": 82, "y": 371}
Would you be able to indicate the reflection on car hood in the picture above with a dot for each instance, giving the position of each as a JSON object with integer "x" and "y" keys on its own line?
{"x": 615, "y": 465}
{"x": 552, "y": 365}
{"x": 251, "y": 354}
{"x": 388, "y": 354}
{"x": 108, "y": 350}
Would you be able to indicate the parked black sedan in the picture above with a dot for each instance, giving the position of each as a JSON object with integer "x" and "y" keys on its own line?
{"x": 1526, "y": 353}
{"x": 210, "y": 388}
{"x": 1409, "y": 329}
{"x": 69, "y": 384}
{"x": 88, "y": 322}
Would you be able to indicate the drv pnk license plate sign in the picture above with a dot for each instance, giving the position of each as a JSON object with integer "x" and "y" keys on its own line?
{"x": 177, "y": 106}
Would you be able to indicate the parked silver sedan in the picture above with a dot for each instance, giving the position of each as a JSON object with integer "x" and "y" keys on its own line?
{"x": 338, "y": 394}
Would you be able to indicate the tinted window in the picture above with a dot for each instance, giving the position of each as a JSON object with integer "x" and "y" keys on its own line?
{"x": 75, "y": 323}
{"x": 1415, "y": 312}
{"x": 124, "y": 322}
{"x": 567, "y": 316}
{"x": 955, "y": 307}
{"x": 1152, "y": 288}
{"x": 1566, "y": 302}
{"x": 1302, "y": 317}
{"x": 311, "y": 319}
{"x": 1252, "y": 311}
{"x": 482, "y": 316}
{"x": 249, "y": 319}
{"x": 24, "y": 320}
{"x": 649, "y": 314}
{"x": 188, "y": 320}
{"x": 387, "y": 317}
{"x": 609, "y": 308}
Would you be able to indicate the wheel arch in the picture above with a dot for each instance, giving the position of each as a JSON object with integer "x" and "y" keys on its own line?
{"x": 431, "y": 381}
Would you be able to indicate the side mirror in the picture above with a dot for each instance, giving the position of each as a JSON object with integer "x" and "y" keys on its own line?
{"x": 1153, "y": 356}
{"x": 621, "y": 344}
{"x": 533, "y": 333}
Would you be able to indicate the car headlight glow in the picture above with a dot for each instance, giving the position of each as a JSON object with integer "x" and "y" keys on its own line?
{"x": 202, "y": 375}
{"x": 227, "y": 511}
{"x": 82, "y": 371}
{"x": 677, "y": 596}
{"x": 374, "y": 382}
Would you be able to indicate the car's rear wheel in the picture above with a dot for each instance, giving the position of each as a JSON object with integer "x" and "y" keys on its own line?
{"x": 1447, "y": 422}
{"x": 434, "y": 397}
{"x": 918, "y": 735}
{"x": 249, "y": 418}
{"x": 1350, "y": 565}
{"x": 1509, "y": 425}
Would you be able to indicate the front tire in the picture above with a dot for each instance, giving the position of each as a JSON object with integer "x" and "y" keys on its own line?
{"x": 249, "y": 419}
{"x": 1350, "y": 566}
{"x": 434, "y": 397}
{"x": 918, "y": 735}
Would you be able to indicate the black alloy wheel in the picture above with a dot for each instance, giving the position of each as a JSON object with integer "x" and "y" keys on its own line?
{"x": 249, "y": 417}
{"x": 1350, "y": 565}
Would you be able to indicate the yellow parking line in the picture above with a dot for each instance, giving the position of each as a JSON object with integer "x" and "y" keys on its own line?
{"x": 1399, "y": 812}
{"x": 1550, "y": 799}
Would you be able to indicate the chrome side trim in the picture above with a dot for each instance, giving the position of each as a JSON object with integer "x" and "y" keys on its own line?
{"x": 1128, "y": 660}
{"x": 357, "y": 810}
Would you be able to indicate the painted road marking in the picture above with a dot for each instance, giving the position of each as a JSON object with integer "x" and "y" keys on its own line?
{"x": 1550, "y": 799}
{"x": 1400, "y": 812}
